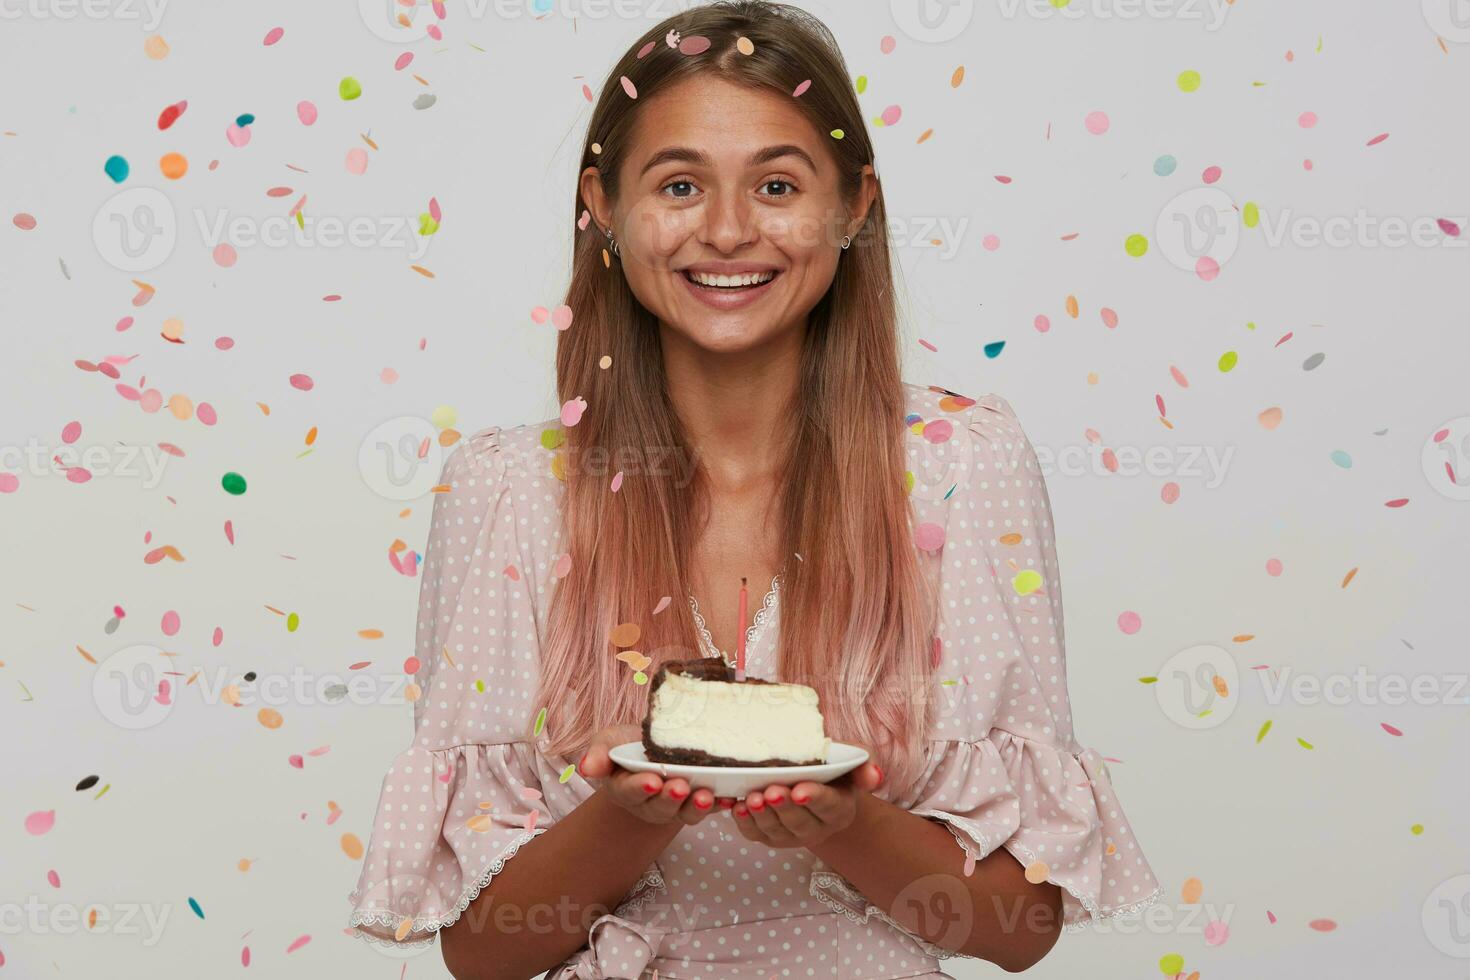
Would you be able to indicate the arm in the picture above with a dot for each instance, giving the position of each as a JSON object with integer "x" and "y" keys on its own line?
{"x": 890, "y": 855}
{"x": 538, "y": 909}
{"x": 536, "y": 912}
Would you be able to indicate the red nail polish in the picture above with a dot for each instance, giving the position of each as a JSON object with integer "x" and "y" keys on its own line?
{"x": 701, "y": 804}
{"x": 678, "y": 794}
{"x": 580, "y": 764}
{"x": 778, "y": 801}
{"x": 650, "y": 788}
{"x": 727, "y": 804}
{"x": 880, "y": 771}
{"x": 799, "y": 799}
{"x": 740, "y": 813}
{"x": 757, "y": 806}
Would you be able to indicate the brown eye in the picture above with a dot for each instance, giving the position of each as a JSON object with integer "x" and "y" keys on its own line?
{"x": 778, "y": 188}
{"x": 679, "y": 188}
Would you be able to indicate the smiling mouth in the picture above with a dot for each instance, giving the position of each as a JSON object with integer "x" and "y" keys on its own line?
{"x": 735, "y": 283}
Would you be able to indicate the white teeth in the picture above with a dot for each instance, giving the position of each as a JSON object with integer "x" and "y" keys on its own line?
{"x": 729, "y": 282}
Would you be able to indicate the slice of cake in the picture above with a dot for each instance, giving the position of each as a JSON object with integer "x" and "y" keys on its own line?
{"x": 699, "y": 715}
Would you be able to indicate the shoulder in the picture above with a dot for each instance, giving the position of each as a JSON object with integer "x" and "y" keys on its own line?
{"x": 518, "y": 457}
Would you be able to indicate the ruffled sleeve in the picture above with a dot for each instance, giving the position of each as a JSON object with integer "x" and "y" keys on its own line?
{"x": 1004, "y": 768}
{"x": 472, "y": 788}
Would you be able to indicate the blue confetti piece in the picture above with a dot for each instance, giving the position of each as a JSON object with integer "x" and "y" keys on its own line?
{"x": 245, "y": 120}
{"x": 117, "y": 169}
{"x": 1164, "y": 165}
{"x": 195, "y": 906}
{"x": 994, "y": 348}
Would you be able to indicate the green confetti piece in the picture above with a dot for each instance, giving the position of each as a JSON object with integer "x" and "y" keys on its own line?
{"x": 233, "y": 483}
{"x": 300, "y": 220}
{"x": 427, "y": 224}
{"x": 1262, "y": 733}
{"x": 292, "y": 622}
{"x": 1251, "y": 214}
{"x": 1228, "y": 360}
{"x": 349, "y": 88}
{"x": 553, "y": 437}
{"x": 540, "y": 722}
{"x": 1417, "y": 829}
{"x": 640, "y": 678}
{"x": 1171, "y": 964}
{"x": 566, "y": 774}
{"x": 948, "y": 683}
{"x": 1026, "y": 581}
{"x": 837, "y": 134}
{"x": 1148, "y": 680}
{"x": 862, "y": 84}
{"x": 1189, "y": 81}
{"x": 103, "y": 790}
{"x": 1305, "y": 744}
{"x": 479, "y": 686}
{"x": 1136, "y": 246}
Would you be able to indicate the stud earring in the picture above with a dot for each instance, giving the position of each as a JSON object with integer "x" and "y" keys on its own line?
{"x": 846, "y": 241}
{"x": 612, "y": 243}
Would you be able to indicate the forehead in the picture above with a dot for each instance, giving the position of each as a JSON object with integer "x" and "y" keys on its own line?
{"x": 725, "y": 121}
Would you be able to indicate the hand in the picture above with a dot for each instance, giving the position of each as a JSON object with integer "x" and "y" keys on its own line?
{"x": 807, "y": 813}
{"x": 644, "y": 794}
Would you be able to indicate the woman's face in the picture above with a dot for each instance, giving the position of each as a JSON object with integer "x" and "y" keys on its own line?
{"x": 729, "y": 214}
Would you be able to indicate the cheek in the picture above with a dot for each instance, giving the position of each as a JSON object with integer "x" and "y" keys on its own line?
{"x": 803, "y": 234}
{"x": 655, "y": 233}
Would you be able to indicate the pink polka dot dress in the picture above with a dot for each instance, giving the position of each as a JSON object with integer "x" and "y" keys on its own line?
{"x": 1003, "y": 767}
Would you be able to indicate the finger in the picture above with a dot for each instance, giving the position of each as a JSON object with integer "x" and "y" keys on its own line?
{"x": 797, "y": 821}
{"x": 867, "y": 777}
{"x": 699, "y": 805}
{"x": 740, "y": 815}
{"x": 765, "y": 821}
{"x": 665, "y": 806}
{"x": 635, "y": 789}
{"x": 822, "y": 801}
{"x": 596, "y": 763}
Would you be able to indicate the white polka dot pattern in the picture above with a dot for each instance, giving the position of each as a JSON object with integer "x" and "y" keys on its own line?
{"x": 1003, "y": 768}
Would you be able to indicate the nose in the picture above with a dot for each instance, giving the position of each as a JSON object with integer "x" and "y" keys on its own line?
{"x": 727, "y": 223}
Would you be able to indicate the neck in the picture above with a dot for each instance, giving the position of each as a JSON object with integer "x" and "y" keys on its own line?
{"x": 735, "y": 406}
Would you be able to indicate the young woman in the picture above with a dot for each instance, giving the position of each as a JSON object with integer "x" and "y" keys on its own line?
{"x": 735, "y": 357}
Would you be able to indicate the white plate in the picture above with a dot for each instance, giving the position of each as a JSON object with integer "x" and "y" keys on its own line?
{"x": 737, "y": 781}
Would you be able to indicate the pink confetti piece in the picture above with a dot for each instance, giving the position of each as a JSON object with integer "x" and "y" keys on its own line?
{"x": 892, "y": 115}
{"x": 1390, "y": 729}
{"x": 800, "y": 90}
{"x": 540, "y": 314}
{"x": 587, "y": 92}
{"x": 563, "y": 566}
{"x": 297, "y": 943}
{"x": 561, "y": 317}
{"x": 1097, "y": 123}
{"x": 694, "y": 45}
{"x": 274, "y": 35}
{"x": 929, "y": 536}
{"x": 9, "y": 483}
{"x": 230, "y": 531}
{"x": 357, "y": 161}
{"x": 646, "y": 50}
{"x": 1207, "y": 268}
{"x": 1109, "y": 318}
{"x": 1130, "y": 622}
{"x": 1271, "y": 917}
{"x": 53, "y": 879}
{"x": 1170, "y": 492}
{"x": 23, "y": 221}
{"x": 1211, "y": 175}
{"x": 1042, "y": 323}
{"x": 571, "y": 411}
{"x": 1449, "y": 228}
{"x": 306, "y": 112}
{"x": 127, "y": 321}
{"x": 926, "y": 343}
{"x": 403, "y": 61}
{"x": 1378, "y": 139}
{"x": 662, "y": 605}
{"x": 225, "y": 255}
{"x": 617, "y": 481}
{"x": 1322, "y": 925}
{"x": 1307, "y": 120}
{"x": 237, "y": 135}
{"x": 40, "y": 822}
{"x": 990, "y": 242}
{"x": 628, "y": 86}
{"x": 297, "y": 762}
{"x": 531, "y": 819}
{"x": 434, "y": 211}
{"x": 245, "y": 956}
{"x": 78, "y": 474}
{"x": 1002, "y": 179}
{"x": 1216, "y": 933}
{"x": 218, "y": 637}
{"x": 170, "y": 624}
{"x": 302, "y": 382}
{"x": 1400, "y": 502}
{"x": 1273, "y": 567}
{"x": 71, "y": 432}
{"x": 887, "y": 44}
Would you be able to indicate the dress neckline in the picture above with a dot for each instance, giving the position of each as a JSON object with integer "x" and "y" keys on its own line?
{"x": 752, "y": 632}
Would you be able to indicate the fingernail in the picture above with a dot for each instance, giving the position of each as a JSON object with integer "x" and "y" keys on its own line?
{"x": 880, "y": 771}
{"x": 795, "y": 798}
{"x": 678, "y": 794}
{"x": 650, "y": 788}
{"x": 758, "y": 805}
{"x": 701, "y": 804}
{"x": 727, "y": 804}
{"x": 777, "y": 801}
{"x": 740, "y": 812}
{"x": 580, "y": 763}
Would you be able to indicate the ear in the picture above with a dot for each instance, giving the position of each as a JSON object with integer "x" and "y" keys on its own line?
{"x": 590, "y": 185}
{"x": 867, "y": 193}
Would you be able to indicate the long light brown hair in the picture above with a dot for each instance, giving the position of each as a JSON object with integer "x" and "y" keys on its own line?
{"x": 857, "y": 603}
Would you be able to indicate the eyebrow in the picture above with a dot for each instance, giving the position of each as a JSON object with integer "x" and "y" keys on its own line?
{"x": 683, "y": 154}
